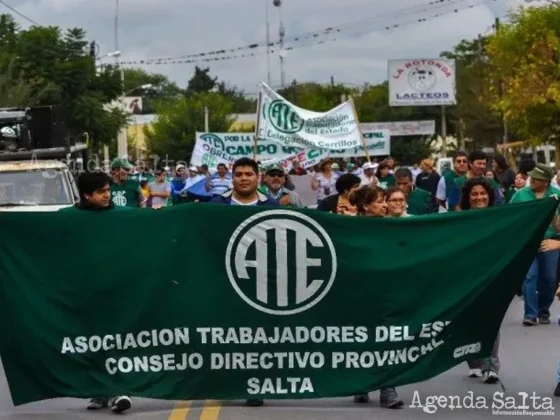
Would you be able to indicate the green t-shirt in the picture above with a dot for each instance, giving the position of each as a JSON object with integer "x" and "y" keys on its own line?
{"x": 460, "y": 181}
{"x": 386, "y": 182}
{"x": 419, "y": 202}
{"x": 126, "y": 194}
{"x": 527, "y": 194}
{"x": 449, "y": 177}
{"x": 75, "y": 209}
{"x": 454, "y": 196}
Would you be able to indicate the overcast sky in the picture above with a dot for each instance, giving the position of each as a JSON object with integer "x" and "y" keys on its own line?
{"x": 170, "y": 28}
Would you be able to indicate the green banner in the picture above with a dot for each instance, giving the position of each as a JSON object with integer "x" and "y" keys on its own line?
{"x": 230, "y": 302}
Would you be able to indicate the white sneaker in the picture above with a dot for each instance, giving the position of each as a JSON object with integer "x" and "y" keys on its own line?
{"x": 490, "y": 377}
{"x": 475, "y": 373}
{"x": 97, "y": 403}
{"x": 120, "y": 404}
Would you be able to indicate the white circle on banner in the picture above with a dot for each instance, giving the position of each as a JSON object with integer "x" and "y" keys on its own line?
{"x": 292, "y": 292}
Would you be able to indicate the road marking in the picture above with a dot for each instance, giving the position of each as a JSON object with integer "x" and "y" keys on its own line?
{"x": 180, "y": 411}
{"x": 211, "y": 410}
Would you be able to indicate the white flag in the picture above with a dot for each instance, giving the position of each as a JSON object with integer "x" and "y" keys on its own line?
{"x": 283, "y": 122}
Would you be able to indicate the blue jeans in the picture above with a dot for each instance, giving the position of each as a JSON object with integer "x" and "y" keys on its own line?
{"x": 540, "y": 285}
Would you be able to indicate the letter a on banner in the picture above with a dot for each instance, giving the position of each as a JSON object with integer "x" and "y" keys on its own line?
{"x": 285, "y": 123}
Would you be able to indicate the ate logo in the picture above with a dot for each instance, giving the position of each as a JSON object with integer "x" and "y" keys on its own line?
{"x": 281, "y": 262}
{"x": 119, "y": 198}
{"x": 283, "y": 117}
{"x": 208, "y": 159}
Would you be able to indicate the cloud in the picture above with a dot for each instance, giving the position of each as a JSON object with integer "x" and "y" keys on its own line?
{"x": 165, "y": 28}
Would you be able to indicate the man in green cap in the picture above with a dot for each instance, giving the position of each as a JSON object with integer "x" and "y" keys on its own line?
{"x": 274, "y": 187}
{"x": 124, "y": 191}
{"x": 540, "y": 283}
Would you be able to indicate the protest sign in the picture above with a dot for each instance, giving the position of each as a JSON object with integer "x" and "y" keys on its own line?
{"x": 289, "y": 125}
{"x": 403, "y": 128}
{"x": 214, "y": 148}
{"x": 378, "y": 144}
{"x": 275, "y": 303}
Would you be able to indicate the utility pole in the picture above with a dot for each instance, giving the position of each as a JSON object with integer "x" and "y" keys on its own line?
{"x": 444, "y": 130}
{"x": 267, "y": 44}
{"x": 122, "y": 143}
{"x": 501, "y": 90}
{"x": 335, "y": 99}
{"x": 282, "y": 33}
{"x": 206, "y": 122}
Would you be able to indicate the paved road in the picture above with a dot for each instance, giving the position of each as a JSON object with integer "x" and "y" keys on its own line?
{"x": 529, "y": 359}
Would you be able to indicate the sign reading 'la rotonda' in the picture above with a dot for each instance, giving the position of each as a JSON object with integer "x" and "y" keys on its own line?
{"x": 424, "y": 82}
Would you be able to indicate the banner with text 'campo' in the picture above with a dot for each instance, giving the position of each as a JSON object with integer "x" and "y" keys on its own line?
{"x": 282, "y": 121}
{"x": 214, "y": 148}
{"x": 275, "y": 303}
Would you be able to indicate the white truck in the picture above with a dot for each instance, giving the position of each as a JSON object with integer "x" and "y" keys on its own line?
{"x": 36, "y": 186}
{"x": 32, "y": 177}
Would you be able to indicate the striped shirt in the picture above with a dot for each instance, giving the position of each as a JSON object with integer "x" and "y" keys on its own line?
{"x": 219, "y": 185}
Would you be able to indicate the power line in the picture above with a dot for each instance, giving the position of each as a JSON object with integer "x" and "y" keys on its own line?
{"x": 19, "y": 13}
{"x": 313, "y": 35}
{"x": 325, "y": 32}
{"x": 383, "y": 26}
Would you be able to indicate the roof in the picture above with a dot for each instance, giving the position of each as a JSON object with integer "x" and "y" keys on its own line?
{"x": 142, "y": 119}
{"x": 244, "y": 118}
{"x": 14, "y": 166}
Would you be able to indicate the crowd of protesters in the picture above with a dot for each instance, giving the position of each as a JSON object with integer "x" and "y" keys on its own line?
{"x": 353, "y": 188}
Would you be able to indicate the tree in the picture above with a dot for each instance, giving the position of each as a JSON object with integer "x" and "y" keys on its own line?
{"x": 60, "y": 71}
{"x": 314, "y": 96}
{"x": 162, "y": 88}
{"x": 16, "y": 92}
{"x": 372, "y": 105}
{"x": 201, "y": 81}
{"x": 172, "y": 137}
{"x": 240, "y": 103}
{"x": 524, "y": 75}
{"x": 473, "y": 116}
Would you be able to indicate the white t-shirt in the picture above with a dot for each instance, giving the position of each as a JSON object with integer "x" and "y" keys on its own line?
{"x": 326, "y": 186}
{"x": 239, "y": 203}
{"x": 441, "y": 192}
{"x": 366, "y": 180}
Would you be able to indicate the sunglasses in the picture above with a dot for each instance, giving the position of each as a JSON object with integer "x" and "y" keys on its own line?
{"x": 276, "y": 174}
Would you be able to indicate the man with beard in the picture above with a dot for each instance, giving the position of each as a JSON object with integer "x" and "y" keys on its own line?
{"x": 245, "y": 193}
{"x": 274, "y": 187}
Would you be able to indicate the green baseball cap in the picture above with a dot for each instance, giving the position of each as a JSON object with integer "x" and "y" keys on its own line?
{"x": 542, "y": 172}
{"x": 121, "y": 163}
{"x": 275, "y": 167}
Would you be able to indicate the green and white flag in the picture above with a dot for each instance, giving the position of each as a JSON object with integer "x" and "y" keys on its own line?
{"x": 213, "y": 148}
{"x": 282, "y": 121}
{"x": 275, "y": 303}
